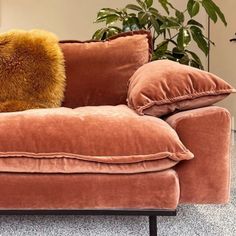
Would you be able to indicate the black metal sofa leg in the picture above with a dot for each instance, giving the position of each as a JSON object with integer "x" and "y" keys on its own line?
{"x": 153, "y": 225}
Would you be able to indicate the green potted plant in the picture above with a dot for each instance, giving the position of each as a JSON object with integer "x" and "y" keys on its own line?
{"x": 172, "y": 31}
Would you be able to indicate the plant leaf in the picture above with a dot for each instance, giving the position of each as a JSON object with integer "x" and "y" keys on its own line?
{"x": 198, "y": 37}
{"x": 143, "y": 18}
{"x": 183, "y": 38}
{"x": 142, "y": 4}
{"x": 193, "y": 7}
{"x": 111, "y": 19}
{"x": 133, "y": 7}
{"x": 180, "y": 16}
{"x": 194, "y": 22}
{"x": 160, "y": 50}
{"x": 195, "y": 64}
{"x": 170, "y": 23}
{"x": 217, "y": 11}
{"x": 209, "y": 40}
{"x": 149, "y": 3}
{"x": 155, "y": 24}
{"x": 180, "y": 39}
{"x": 153, "y": 11}
{"x": 115, "y": 27}
{"x": 196, "y": 58}
{"x": 220, "y": 13}
{"x": 98, "y": 35}
{"x": 185, "y": 60}
{"x": 107, "y": 11}
{"x": 132, "y": 15}
{"x": 112, "y": 31}
{"x": 164, "y": 4}
{"x": 101, "y": 19}
{"x": 168, "y": 55}
{"x": 210, "y": 10}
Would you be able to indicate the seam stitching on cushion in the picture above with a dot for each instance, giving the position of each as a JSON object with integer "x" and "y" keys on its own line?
{"x": 178, "y": 156}
{"x": 120, "y": 35}
{"x": 188, "y": 96}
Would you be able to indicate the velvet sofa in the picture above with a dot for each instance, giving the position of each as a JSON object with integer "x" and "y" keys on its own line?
{"x": 96, "y": 155}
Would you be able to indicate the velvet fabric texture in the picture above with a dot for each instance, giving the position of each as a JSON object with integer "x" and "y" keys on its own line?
{"x": 206, "y": 132}
{"x": 162, "y": 87}
{"x": 158, "y": 190}
{"x": 98, "y": 72}
{"x": 105, "y": 139}
{"x": 68, "y": 165}
{"x": 32, "y": 73}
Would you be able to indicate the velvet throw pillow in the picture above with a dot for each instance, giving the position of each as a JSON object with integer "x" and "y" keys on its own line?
{"x": 162, "y": 87}
{"x": 31, "y": 71}
{"x": 97, "y": 72}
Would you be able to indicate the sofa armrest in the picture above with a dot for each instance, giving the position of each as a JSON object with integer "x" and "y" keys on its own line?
{"x": 206, "y": 132}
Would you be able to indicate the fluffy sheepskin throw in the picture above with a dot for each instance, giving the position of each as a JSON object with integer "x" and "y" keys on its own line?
{"x": 32, "y": 73}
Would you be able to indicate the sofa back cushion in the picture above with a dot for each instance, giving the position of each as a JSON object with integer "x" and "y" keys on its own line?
{"x": 98, "y": 71}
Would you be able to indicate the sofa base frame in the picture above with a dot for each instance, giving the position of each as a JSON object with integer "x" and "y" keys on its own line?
{"x": 152, "y": 214}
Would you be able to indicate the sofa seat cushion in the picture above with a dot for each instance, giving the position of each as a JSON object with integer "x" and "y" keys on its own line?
{"x": 105, "y": 139}
{"x": 156, "y": 190}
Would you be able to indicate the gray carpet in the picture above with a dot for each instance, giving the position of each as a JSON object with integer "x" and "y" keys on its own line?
{"x": 191, "y": 220}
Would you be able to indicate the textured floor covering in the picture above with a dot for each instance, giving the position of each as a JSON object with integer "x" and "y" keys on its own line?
{"x": 191, "y": 221}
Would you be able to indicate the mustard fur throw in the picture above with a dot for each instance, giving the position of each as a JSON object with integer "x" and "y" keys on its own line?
{"x": 32, "y": 73}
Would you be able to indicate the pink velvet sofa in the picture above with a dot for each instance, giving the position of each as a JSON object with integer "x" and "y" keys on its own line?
{"x": 97, "y": 158}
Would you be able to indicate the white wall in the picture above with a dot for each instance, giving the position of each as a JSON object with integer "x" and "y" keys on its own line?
{"x": 223, "y": 56}
{"x": 69, "y": 19}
